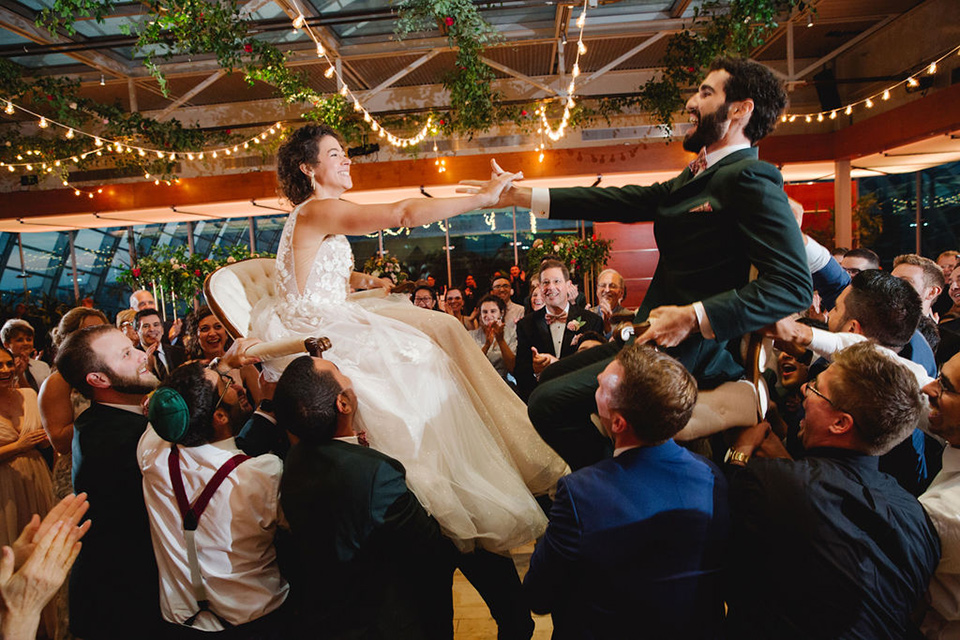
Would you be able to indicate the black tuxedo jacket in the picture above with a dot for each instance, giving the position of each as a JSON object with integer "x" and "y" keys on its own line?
{"x": 174, "y": 355}
{"x": 710, "y": 230}
{"x": 114, "y": 588}
{"x": 533, "y": 331}
{"x": 371, "y": 562}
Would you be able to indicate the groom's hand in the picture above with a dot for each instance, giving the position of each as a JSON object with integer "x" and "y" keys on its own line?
{"x": 670, "y": 325}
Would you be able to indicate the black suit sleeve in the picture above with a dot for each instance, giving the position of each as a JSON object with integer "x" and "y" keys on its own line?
{"x": 630, "y": 203}
{"x": 774, "y": 245}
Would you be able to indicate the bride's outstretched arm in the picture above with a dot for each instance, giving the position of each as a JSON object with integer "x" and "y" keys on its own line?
{"x": 330, "y": 216}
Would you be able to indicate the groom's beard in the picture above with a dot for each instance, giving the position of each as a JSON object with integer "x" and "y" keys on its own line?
{"x": 132, "y": 385}
{"x": 709, "y": 130}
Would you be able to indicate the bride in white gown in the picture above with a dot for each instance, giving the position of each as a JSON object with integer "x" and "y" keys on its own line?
{"x": 472, "y": 457}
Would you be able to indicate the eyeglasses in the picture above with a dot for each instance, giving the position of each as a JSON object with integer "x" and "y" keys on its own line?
{"x": 945, "y": 385}
{"x": 224, "y": 378}
{"x": 423, "y": 299}
{"x": 812, "y": 386}
{"x": 501, "y": 286}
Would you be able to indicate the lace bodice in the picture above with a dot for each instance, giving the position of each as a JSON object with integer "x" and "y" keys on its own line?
{"x": 327, "y": 282}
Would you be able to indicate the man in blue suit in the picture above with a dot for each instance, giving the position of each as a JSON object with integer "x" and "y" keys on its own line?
{"x": 636, "y": 542}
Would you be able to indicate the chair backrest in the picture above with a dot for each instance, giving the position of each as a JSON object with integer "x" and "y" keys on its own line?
{"x": 234, "y": 289}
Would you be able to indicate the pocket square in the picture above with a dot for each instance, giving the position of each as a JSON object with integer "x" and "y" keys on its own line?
{"x": 703, "y": 208}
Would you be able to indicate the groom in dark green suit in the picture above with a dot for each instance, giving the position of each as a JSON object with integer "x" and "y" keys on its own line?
{"x": 722, "y": 215}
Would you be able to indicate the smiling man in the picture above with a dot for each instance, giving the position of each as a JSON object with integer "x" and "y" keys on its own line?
{"x": 114, "y": 589}
{"x": 723, "y": 214}
{"x": 163, "y": 358}
{"x": 547, "y": 335}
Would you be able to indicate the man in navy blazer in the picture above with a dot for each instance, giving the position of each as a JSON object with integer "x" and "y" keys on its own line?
{"x": 636, "y": 542}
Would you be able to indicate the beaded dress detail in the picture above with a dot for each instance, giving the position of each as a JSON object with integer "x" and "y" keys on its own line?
{"x": 415, "y": 403}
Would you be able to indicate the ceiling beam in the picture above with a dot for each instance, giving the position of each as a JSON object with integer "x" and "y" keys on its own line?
{"x": 27, "y": 29}
{"x": 846, "y": 45}
{"x": 623, "y": 58}
{"x": 399, "y": 74}
{"x": 516, "y": 74}
{"x": 679, "y": 6}
{"x": 219, "y": 73}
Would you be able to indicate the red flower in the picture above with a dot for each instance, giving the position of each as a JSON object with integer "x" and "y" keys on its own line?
{"x": 228, "y": 131}
{"x": 448, "y": 21}
{"x": 50, "y": 97}
{"x": 593, "y": 237}
{"x": 197, "y": 273}
{"x": 248, "y": 48}
{"x": 443, "y": 122}
{"x": 136, "y": 272}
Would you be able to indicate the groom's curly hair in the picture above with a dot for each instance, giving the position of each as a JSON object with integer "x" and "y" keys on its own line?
{"x": 302, "y": 147}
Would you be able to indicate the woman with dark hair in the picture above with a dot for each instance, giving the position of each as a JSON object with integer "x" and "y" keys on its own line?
{"x": 497, "y": 340}
{"x": 454, "y": 430}
{"x": 208, "y": 339}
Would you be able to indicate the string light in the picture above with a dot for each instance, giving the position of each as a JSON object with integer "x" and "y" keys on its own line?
{"x": 560, "y": 131}
{"x": 43, "y": 123}
{"x": 910, "y": 82}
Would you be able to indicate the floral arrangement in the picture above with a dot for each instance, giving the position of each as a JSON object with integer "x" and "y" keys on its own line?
{"x": 176, "y": 273}
{"x": 385, "y": 267}
{"x": 581, "y": 255}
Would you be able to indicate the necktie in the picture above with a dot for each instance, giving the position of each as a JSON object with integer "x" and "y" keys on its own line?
{"x": 161, "y": 370}
{"x": 699, "y": 163}
{"x": 560, "y": 317}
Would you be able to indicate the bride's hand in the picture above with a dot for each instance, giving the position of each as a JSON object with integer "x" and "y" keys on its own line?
{"x": 496, "y": 190}
{"x": 382, "y": 283}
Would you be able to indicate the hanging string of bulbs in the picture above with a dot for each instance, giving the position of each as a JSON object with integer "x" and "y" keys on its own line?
{"x": 910, "y": 82}
{"x": 560, "y": 131}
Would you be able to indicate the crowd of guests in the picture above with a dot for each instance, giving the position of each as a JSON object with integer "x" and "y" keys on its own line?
{"x": 210, "y": 501}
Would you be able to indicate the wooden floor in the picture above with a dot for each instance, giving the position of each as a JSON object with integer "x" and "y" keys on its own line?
{"x": 471, "y": 618}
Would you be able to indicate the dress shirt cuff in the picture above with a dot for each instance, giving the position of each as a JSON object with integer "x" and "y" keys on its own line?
{"x": 817, "y": 255}
{"x": 269, "y": 417}
{"x": 704, "y": 321}
{"x": 540, "y": 202}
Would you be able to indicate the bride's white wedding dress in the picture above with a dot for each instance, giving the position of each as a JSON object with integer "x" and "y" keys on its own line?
{"x": 471, "y": 455}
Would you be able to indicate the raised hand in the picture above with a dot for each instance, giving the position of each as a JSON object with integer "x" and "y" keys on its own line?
{"x": 499, "y": 185}
{"x": 542, "y": 360}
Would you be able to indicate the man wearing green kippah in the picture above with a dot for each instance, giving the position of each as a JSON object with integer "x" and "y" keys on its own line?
{"x": 213, "y": 510}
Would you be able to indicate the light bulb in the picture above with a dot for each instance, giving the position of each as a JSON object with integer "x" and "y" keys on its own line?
{"x": 886, "y": 94}
{"x": 298, "y": 22}
{"x": 581, "y": 48}
{"x": 869, "y": 103}
{"x": 70, "y": 134}
{"x": 43, "y": 123}
{"x": 329, "y": 72}
{"x": 320, "y": 49}
{"x": 9, "y": 109}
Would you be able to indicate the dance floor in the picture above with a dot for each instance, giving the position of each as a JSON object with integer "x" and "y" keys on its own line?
{"x": 471, "y": 618}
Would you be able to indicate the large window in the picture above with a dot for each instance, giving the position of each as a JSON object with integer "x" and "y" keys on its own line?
{"x": 477, "y": 243}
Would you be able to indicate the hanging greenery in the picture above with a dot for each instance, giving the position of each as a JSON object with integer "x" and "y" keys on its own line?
{"x": 731, "y": 28}
{"x": 223, "y": 28}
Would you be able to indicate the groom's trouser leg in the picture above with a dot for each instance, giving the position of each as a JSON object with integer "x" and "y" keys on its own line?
{"x": 561, "y": 404}
{"x": 496, "y": 579}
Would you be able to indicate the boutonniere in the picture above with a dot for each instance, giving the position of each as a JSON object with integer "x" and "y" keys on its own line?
{"x": 576, "y": 325}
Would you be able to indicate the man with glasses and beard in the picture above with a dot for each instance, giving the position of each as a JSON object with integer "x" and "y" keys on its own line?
{"x": 216, "y": 557}
{"x": 113, "y": 587}
{"x": 722, "y": 215}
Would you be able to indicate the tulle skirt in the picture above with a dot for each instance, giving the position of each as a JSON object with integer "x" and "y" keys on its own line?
{"x": 471, "y": 455}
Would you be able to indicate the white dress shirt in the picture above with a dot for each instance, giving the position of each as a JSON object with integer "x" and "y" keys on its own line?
{"x": 557, "y": 329}
{"x": 234, "y": 539}
{"x": 942, "y": 503}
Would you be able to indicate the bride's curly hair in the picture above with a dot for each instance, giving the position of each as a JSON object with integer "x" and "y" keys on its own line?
{"x": 302, "y": 147}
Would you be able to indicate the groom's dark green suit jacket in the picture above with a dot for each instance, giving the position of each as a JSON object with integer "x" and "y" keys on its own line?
{"x": 710, "y": 229}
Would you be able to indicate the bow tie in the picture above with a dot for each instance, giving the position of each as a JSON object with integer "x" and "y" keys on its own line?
{"x": 560, "y": 317}
{"x": 699, "y": 163}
